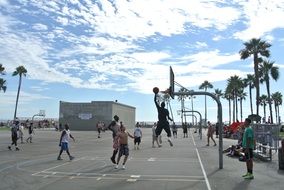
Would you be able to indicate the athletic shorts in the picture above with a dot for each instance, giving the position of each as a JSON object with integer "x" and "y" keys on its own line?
{"x": 137, "y": 140}
{"x": 249, "y": 154}
{"x": 64, "y": 146}
{"x": 123, "y": 150}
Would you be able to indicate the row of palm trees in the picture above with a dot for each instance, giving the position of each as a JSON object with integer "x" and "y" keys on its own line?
{"x": 20, "y": 71}
{"x": 264, "y": 72}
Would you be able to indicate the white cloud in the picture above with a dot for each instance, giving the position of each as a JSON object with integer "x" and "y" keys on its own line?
{"x": 4, "y": 3}
{"x": 39, "y": 26}
{"x": 262, "y": 17}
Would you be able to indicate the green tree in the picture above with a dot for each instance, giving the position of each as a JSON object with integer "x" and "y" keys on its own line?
{"x": 182, "y": 98}
{"x": 218, "y": 93}
{"x": 205, "y": 85}
{"x": 263, "y": 99}
{"x": 21, "y": 71}
{"x": 277, "y": 99}
{"x": 268, "y": 71}
{"x": 249, "y": 81}
{"x": 234, "y": 84}
{"x": 2, "y": 81}
{"x": 256, "y": 48}
{"x": 242, "y": 96}
{"x": 228, "y": 96}
{"x": 3, "y": 85}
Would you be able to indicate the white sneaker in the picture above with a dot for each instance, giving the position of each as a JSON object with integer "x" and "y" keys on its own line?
{"x": 170, "y": 141}
{"x": 123, "y": 167}
{"x": 116, "y": 167}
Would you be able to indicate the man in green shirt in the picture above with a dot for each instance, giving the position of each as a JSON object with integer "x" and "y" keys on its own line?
{"x": 248, "y": 146}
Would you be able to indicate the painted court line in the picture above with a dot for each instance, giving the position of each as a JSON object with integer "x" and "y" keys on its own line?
{"x": 46, "y": 170}
{"x": 202, "y": 168}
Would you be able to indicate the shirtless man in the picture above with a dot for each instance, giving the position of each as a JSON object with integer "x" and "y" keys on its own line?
{"x": 123, "y": 147}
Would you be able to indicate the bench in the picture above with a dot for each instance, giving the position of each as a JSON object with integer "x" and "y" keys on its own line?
{"x": 264, "y": 152}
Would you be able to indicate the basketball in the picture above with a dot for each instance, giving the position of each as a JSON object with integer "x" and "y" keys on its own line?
{"x": 156, "y": 90}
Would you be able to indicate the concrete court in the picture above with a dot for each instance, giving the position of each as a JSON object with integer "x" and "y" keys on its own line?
{"x": 189, "y": 164}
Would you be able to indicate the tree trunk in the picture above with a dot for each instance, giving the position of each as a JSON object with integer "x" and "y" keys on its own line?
{"x": 269, "y": 99}
{"x": 241, "y": 104}
{"x": 18, "y": 93}
{"x": 255, "y": 60}
{"x": 250, "y": 98}
{"x": 230, "y": 116}
{"x": 234, "y": 105}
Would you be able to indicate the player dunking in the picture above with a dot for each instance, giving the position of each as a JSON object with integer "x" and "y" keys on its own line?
{"x": 163, "y": 116}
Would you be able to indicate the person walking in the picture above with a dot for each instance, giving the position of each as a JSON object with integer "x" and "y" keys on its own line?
{"x": 122, "y": 136}
{"x": 99, "y": 128}
{"x": 174, "y": 130}
{"x": 21, "y": 133}
{"x": 31, "y": 132}
{"x": 64, "y": 142}
{"x": 114, "y": 126}
{"x": 248, "y": 146}
{"x": 14, "y": 135}
{"x": 154, "y": 136}
{"x": 184, "y": 128}
{"x": 163, "y": 116}
{"x": 210, "y": 133}
{"x": 137, "y": 136}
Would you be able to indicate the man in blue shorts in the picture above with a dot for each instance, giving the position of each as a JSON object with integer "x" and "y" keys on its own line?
{"x": 64, "y": 142}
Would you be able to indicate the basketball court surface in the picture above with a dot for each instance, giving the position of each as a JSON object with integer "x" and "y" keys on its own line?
{"x": 189, "y": 164}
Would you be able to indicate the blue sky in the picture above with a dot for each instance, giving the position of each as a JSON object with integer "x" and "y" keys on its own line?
{"x": 91, "y": 50}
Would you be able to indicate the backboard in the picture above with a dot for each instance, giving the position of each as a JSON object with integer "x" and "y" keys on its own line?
{"x": 42, "y": 113}
{"x": 172, "y": 83}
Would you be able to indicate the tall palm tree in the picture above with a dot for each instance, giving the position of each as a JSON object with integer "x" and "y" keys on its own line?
{"x": 228, "y": 96}
{"x": 181, "y": 98}
{"x": 234, "y": 84}
{"x": 263, "y": 99}
{"x": 256, "y": 48}
{"x": 21, "y": 71}
{"x": 167, "y": 99}
{"x": 205, "y": 85}
{"x": 249, "y": 81}
{"x": 277, "y": 99}
{"x": 268, "y": 71}
{"x": 242, "y": 96}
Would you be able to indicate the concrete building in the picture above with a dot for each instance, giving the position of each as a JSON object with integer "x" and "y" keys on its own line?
{"x": 85, "y": 116}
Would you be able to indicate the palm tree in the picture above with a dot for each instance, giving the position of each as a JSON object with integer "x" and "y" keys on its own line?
{"x": 2, "y": 69}
{"x": 242, "y": 96}
{"x": 263, "y": 99}
{"x": 249, "y": 81}
{"x": 234, "y": 84}
{"x": 2, "y": 81}
{"x": 3, "y": 85}
{"x": 181, "y": 98}
{"x": 218, "y": 93}
{"x": 256, "y": 48}
{"x": 277, "y": 98}
{"x": 167, "y": 99}
{"x": 228, "y": 96}
{"x": 205, "y": 85}
{"x": 267, "y": 70}
{"x": 21, "y": 71}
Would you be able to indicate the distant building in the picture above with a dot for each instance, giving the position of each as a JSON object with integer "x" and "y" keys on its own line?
{"x": 85, "y": 116}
